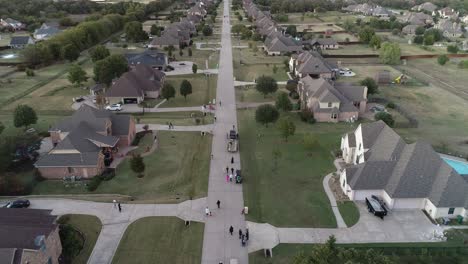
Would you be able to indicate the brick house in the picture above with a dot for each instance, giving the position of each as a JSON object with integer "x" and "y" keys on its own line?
{"x": 29, "y": 236}
{"x": 311, "y": 63}
{"x": 332, "y": 102}
{"x": 85, "y": 143}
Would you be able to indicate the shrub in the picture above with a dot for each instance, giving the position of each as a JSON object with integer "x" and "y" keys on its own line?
{"x": 391, "y": 105}
{"x": 29, "y": 72}
{"x": 386, "y": 117}
{"x": 107, "y": 174}
{"x": 94, "y": 183}
{"x": 452, "y": 48}
{"x": 442, "y": 59}
{"x": 306, "y": 116}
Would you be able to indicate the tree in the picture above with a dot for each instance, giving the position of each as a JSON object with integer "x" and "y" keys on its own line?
{"x": 207, "y": 30}
{"x": 375, "y": 42}
{"x": 266, "y": 114}
{"x": 437, "y": 34}
{"x": 386, "y": 117}
{"x": 170, "y": 49}
{"x": 283, "y": 102}
{"x": 109, "y": 68}
{"x": 155, "y": 30}
{"x": 418, "y": 39}
{"x": 237, "y": 29}
{"x": 286, "y": 127}
{"x": 390, "y": 53}
{"x": 194, "y": 68}
{"x": 137, "y": 164}
{"x": 442, "y": 59}
{"x": 419, "y": 31}
{"x": 429, "y": 40}
{"x": 24, "y": 116}
{"x": 371, "y": 84}
{"x": 168, "y": 91}
{"x": 366, "y": 33}
{"x": 134, "y": 32}
{"x": 77, "y": 75}
{"x": 66, "y": 22}
{"x": 70, "y": 52}
{"x": 99, "y": 52}
{"x": 291, "y": 30}
{"x": 266, "y": 85}
{"x": 185, "y": 88}
{"x": 452, "y": 48}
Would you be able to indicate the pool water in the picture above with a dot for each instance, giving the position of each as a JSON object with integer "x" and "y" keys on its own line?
{"x": 459, "y": 166}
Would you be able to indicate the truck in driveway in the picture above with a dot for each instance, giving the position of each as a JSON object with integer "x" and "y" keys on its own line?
{"x": 233, "y": 141}
{"x": 376, "y": 206}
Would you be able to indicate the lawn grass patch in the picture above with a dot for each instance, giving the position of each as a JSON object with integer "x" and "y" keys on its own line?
{"x": 160, "y": 240}
{"x": 298, "y": 175}
{"x": 90, "y": 227}
{"x": 349, "y": 212}
{"x": 203, "y": 90}
{"x": 176, "y": 118}
{"x": 250, "y": 94}
{"x": 176, "y": 171}
{"x": 42, "y": 125}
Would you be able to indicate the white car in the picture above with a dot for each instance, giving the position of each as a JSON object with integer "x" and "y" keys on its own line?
{"x": 114, "y": 107}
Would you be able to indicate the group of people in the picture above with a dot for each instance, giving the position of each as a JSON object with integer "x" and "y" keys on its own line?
{"x": 117, "y": 205}
{"x": 171, "y": 126}
{"x": 244, "y": 237}
{"x": 232, "y": 174}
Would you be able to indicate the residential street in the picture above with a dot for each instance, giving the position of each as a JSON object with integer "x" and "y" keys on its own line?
{"x": 218, "y": 244}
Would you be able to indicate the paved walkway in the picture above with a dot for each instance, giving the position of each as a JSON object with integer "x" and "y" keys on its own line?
{"x": 114, "y": 223}
{"x": 339, "y": 219}
{"x": 244, "y": 83}
{"x": 218, "y": 245}
{"x": 204, "y": 128}
{"x": 133, "y": 108}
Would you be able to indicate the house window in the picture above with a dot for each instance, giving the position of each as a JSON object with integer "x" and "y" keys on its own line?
{"x": 451, "y": 210}
{"x": 329, "y": 104}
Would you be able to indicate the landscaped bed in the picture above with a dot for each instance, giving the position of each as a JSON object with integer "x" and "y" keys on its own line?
{"x": 290, "y": 195}
{"x": 160, "y": 240}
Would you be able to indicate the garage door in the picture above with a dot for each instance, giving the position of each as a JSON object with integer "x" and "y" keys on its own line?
{"x": 130, "y": 101}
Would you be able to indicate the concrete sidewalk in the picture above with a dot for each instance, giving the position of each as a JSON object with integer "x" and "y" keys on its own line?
{"x": 200, "y": 128}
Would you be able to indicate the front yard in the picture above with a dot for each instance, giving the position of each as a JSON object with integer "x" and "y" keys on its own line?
{"x": 176, "y": 171}
{"x": 176, "y": 118}
{"x": 290, "y": 195}
{"x": 203, "y": 90}
{"x": 161, "y": 240}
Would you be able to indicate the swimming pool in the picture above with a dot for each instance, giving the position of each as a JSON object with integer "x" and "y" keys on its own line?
{"x": 459, "y": 166}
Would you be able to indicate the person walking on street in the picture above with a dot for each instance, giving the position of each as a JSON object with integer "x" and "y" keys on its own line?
{"x": 232, "y": 170}
{"x": 215, "y": 118}
{"x": 232, "y": 160}
{"x": 218, "y": 203}
{"x": 227, "y": 177}
{"x": 247, "y": 234}
{"x": 227, "y": 169}
{"x": 243, "y": 240}
{"x": 230, "y": 177}
{"x": 220, "y": 103}
{"x": 231, "y": 230}
{"x": 115, "y": 203}
{"x": 120, "y": 207}
{"x": 207, "y": 211}
{"x": 240, "y": 233}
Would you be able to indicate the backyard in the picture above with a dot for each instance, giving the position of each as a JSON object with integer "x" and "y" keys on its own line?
{"x": 90, "y": 227}
{"x": 160, "y": 240}
{"x": 249, "y": 65}
{"x": 203, "y": 90}
{"x": 297, "y": 175}
{"x": 176, "y": 171}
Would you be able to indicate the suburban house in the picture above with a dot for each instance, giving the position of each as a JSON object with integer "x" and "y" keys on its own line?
{"x": 152, "y": 58}
{"x": 406, "y": 176}
{"x": 29, "y": 236}
{"x": 134, "y": 86}
{"x": 449, "y": 29}
{"x": 419, "y": 19}
{"x": 381, "y": 12}
{"x": 197, "y": 10}
{"x": 365, "y": 9}
{"x": 164, "y": 41}
{"x": 281, "y": 45}
{"x": 332, "y": 102}
{"x": 311, "y": 63}
{"x": 409, "y": 29}
{"x": 427, "y": 6}
{"x": 20, "y": 42}
{"x": 322, "y": 43}
{"x": 12, "y": 24}
{"x": 85, "y": 143}
{"x": 45, "y": 32}
{"x": 448, "y": 13}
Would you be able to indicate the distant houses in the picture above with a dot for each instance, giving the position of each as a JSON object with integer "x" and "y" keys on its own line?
{"x": 133, "y": 87}
{"x": 12, "y": 24}
{"x": 420, "y": 19}
{"x": 427, "y": 7}
{"x": 281, "y": 45}
{"x": 322, "y": 43}
{"x": 152, "y": 58}
{"x": 406, "y": 176}
{"x": 449, "y": 28}
{"x": 46, "y": 31}
{"x": 331, "y": 102}
{"x": 20, "y": 42}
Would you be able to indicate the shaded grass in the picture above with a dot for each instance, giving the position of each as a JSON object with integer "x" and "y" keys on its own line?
{"x": 176, "y": 171}
{"x": 90, "y": 227}
{"x": 161, "y": 240}
{"x": 349, "y": 212}
{"x": 297, "y": 177}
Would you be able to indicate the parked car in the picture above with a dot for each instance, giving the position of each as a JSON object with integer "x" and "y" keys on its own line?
{"x": 78, "y": 99}
{"x": 114, "y": 107}
{"x": 375, "y": 207}
{"x": 182, "y": 64}
{"x": 169, "y": 68}
{"x": 377, "y": 108}
{"x": 17, "y": 204}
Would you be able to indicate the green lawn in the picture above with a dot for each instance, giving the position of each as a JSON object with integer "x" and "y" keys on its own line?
{"x": 177, "y": 118}
{"x": 203, "y": 90}
{"x": 160, "y": 240}
{"x": 90, "y": 227}
{"x": 42, "y": 125}
{"x": 176, "y": 171}
{"x": 349, "y": 212}
{"x": 298, "y": 176}
{"x": 145, "y": 144}
{"x": 200, "y": 57}
{"x": 250, "y": 94}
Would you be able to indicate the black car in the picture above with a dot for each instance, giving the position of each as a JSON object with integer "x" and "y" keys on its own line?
{"x": 375, "y": 207}
{"x": 18, "y": 204}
